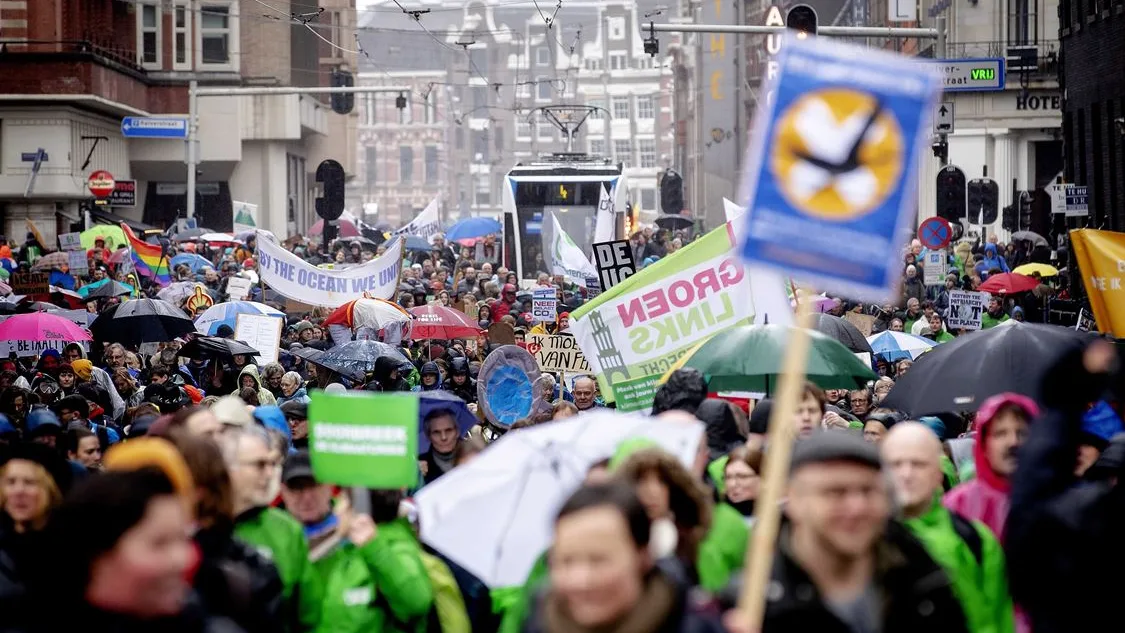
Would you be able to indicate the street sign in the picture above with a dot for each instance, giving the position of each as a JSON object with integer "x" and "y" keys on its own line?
{"x": 1077, "y": 200}
{"x": 154, "y": 127}
{"x": 101, "y": 184}
{"x": 124, "y": 194}
{"x": 972, "y": 75}
{"x": 1058, "y": 197}
{"x": 935, "y": 233}
{"x": 943, "y": 118}
{"x": 39, "y": 156}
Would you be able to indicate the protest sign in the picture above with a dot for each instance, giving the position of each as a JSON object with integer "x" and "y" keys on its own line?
{"x": 238, "y": 288}
{"x": 364, "y": 439}
{"x": 632, "y": 333}
{"x": 1085, "y": 322}
{"x": 70, "y": 242}
{"x": 593, "y": 287}
{"x": 262, "y": 332}
{"x": 29, "y": 283}
{"x": 607, "y": 215}
{"x": 863, "y": 322}
{"x": 245, "y": 216}
{"x": 966, "y": 308}
{"x": 77, "y": 262}
{"x": 933, "y": 268}
{"x": 614, "y": 261}
{"x": 295, "y": 278}
{"x": 1101, "y": 260}
{"x": 426, "y": 225}
{"x": 557, "y": 353}
{"x": 567, "y": 259}
{"x": 25, "y": 349}
{"x": 543, "y": 305}
{"x": 832, "y": 169}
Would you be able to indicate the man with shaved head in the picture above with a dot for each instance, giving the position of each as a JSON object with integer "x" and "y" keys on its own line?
{"x": 966, "y": 549}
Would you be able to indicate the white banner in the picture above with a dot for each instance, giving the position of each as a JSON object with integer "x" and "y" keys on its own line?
{"x": 966, "y": 309}
{"x": 299, "y": 280}
{"x": 426, "y": 225}
{"x": 604, "y": 228}
{"x": 732, "y": 210}
{"x": 567, "y": 259}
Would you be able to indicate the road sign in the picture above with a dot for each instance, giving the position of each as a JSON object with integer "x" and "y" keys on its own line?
{"x": 153, "y": 127}
{"x": 972, "y": 75}
{"x": 39, "y": 156}
{"x": 100, "y": 183}
{"x": 1077, "y": 200}
{"x": 935, "y": 233}
{"x": 124, "y": 194}
{"x": 943, "y": 118}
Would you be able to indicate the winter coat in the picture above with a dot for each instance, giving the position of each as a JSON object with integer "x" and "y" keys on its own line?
{"x": 979, "y": 577}
{"x": 235, "y": 581}
{"x": 264, "y": 395}
{"x": 467, "y": 391}
{"x": 723, "y": 551}
{"x": 300, "y": 395}
{"x": 16, "y": 552}
{"x": 281, "y": 539}
{"x": 55, "y": 614}
{"x": 404, "y": 593}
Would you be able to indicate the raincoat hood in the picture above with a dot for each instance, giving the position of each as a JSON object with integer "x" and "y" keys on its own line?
{"x": 722, "y": 430}
{"x": 985, "y": 415}
{"x": 250, "y": 370}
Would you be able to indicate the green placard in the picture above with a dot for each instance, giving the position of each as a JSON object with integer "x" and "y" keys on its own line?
{"x": 364, "y": 439}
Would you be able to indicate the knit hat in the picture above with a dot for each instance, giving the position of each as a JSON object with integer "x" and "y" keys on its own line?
{"x": 154, "y": 452}
{"x": 83, "y": 368}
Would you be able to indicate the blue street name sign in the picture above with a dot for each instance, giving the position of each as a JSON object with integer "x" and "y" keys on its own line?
{"x": 153, "y": 127}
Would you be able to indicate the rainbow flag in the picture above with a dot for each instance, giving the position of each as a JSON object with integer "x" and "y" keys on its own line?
{"x": 148, "y": 259}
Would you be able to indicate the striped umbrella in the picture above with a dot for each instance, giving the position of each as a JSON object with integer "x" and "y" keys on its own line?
{"x": 896, "y": 346}
{"x": 368, "y": 313}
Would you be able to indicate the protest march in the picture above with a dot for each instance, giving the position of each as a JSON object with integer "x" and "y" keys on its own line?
{"x": 819, "y": 416}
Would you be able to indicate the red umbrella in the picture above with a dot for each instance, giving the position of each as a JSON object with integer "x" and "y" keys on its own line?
{"x": 346, "y": 229}
{"x": 439, "y": 322}
{"x": 1008, "y": 284}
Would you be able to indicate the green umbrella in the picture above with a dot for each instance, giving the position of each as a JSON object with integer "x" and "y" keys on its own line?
{"x": 750, "y": 357}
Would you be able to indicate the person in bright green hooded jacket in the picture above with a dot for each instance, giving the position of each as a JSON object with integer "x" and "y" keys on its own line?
{"x": 966, "y": 549}
{"x": 252, "y": 462}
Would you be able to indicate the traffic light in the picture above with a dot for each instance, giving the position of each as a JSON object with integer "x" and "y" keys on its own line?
{"x": 1024, "y": 210}
{"x": 330, "y": 204}
{"x": 802, "y": 19}
{"x": 1010, "y": 218}
{"x": 343, "y": 103}
{"x": 983, "y": 197}
{"x": 951, "y": 193}
{"x": 671, "y": 192}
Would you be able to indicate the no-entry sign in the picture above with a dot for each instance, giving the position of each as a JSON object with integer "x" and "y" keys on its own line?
{"x": 935, "y": 233}
{"x": 101, "y": 183}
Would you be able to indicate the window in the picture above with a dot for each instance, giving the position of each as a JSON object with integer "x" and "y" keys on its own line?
{"x": 483, "y": 196}
{"x": 596, "y": 115}
{"x": 546, "y": 132}
{"x": 645, "y": 109}
{"x": 618, "y": 61}
{"x": 621, "y": 108}
{"x": 431, "y": 164}
{"x": 429, "y": 108}
{"x": 616, "y": 28}
{"x": 646, "y": 147}
{"x": 459, "y": 137}
{"x": 498, "y": 138}
{"x": 480, "y": 97}
{"x": 370, "y": 165}
{"x": 406, "y": 164}
{"x": 370, "y": 106}
{"x": 335, "y": 30}
{"x": 1023, "y": 24}
{"x": 543, "y": 56}
{"x": 543, "y": 89}
{"x": 296, "y": 188}
{"x": 406, "y": 115}
{"x": 218, "y": 34}
{"x": 623, "y": 151}
{"x": 597, "y": 147}
{"x": 148, "y": 35}
{"x": 648, "y": 199}
{"x": 481, "y": 147}
{"x": 478, "y": 58}
{"x": 181, "y": 37}
{"x": 523, "y": 130}
{"x": 593, "y": 64}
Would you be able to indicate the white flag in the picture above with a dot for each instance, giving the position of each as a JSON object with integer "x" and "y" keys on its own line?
{"x": 567, "y": 259}
{"x": 426, "y": 225}
{"x": 732, "y": 210}
{"x": 604, "y": 228}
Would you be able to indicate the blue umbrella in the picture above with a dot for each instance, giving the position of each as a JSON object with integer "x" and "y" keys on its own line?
{"x": 430, "y": 401}
{"x": 226, "y": 313}
{"x": 415, "y": 243}
{"x": 469, "y": 228}
{"x": 88, "y": 288}
{"x": 896, "y": 346}
{"x": 193, "y": 261}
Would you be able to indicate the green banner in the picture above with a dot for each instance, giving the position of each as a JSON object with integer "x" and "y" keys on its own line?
{"x": 366, "y": 439}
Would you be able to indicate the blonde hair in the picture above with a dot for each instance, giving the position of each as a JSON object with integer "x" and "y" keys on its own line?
{"x": 52, "y": 496}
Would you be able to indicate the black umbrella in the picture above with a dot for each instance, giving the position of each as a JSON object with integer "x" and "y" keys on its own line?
{"x": 109, "y": 289}
{"x": 358, "y": 356}
{"x": 201, "y": 347}
{"x": 842, "y": 330}
{"x": 363, "y": 242}
{"x": 188, "y": 235}
{"x": 310, "y": 354}
{"x": 141, "y": 321}
{"x": 415, "y": 243}
{"x": 961, "y": 374}
{"x": 673, "y": 221}
{"x": 1029, "y": 236}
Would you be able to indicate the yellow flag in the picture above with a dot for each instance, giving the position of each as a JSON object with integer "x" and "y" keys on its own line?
{"x": 1101, "y": 260}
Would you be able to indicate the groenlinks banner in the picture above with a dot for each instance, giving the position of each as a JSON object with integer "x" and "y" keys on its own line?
{"x": 299, "y": 280}
{"x": 632, "y": 333}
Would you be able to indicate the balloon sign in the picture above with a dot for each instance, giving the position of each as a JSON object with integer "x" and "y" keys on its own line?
{"x": 504, "y": 385}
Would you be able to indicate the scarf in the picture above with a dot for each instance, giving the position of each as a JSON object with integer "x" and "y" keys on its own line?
{"x": 745, "y": 508}
{"x": 657, "y": 602}
{"x": 444, "y": 461}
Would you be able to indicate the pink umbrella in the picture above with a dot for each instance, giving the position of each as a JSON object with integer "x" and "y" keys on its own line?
{"x": 41, "y": 326}
{"x": 346, "y": 229}
{"x": 439, "y": 322}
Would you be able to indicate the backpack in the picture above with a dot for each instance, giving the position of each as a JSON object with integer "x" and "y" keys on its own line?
{"x": 968, "y": 533}
{"x": 448, "y": 613}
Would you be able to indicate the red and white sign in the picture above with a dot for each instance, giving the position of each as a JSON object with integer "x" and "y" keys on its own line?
{"x": 101, "y": 183}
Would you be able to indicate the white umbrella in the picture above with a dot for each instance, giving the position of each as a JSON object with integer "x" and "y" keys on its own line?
{"x": 176, "y": 292}
{"x": 495, "y": 516}
{"x": 226, "y": 313}
{"x": 895, "y": 346}
{"x": 217, "y": 237}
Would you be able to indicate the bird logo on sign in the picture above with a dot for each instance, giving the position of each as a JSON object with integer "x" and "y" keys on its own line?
{"x": 837, "y": 154}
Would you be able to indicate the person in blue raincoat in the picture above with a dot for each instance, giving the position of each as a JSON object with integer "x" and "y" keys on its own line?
{"x": 61, "y": 277}
{"x": 431, "y": 377}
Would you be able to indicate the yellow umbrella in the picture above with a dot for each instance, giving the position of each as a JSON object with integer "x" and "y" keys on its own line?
{"x": 113, "y": 235}
{"x": 1044, "y": 270}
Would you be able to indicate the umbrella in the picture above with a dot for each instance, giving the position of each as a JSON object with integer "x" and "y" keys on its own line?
{"x": 188, "y": 235}
{"x": 118, "y": 256}
{"x": 896, "y": 346}
{"x": 357, "y": 357}
{"x": 436, "y": 400}
{"x": 750, "y": 358}
{"x": 472, "y": 227}
{"x": 512, "y": 491}
{"x": 71, "y": 298}
{"x": 1029, "y": 236}
{"x": 141, "y": 321}
{"x": 439, "y": 322}
{"x": 177, "y": 292}
{"x": 111, "y": 233}
{"x": 218, "y": 238}
{"x": 245, "y": 235}
{"x": 371, "y": 313}
{"x": 1044, "y": 270}
{"x": 310, "y": 354}
{"x": 192, "y": 261}
{"x": 415, "y": 243}
{"x": 673, "y": 221}
{"x": 842, "y": 330}
{"x": 50, "y": 261}
{"x": 363, "y": 241}
{"x": 344, "y": 229}
{"x": 40, "y": 306}
{"x": 201, "y": 347}
{"x": 1008, "y": 284}
{"x": 109, "y": 288}
{"x": 961, "y": 374}
{"x": 41, "y": 326}
{"x": 226, "y": 313}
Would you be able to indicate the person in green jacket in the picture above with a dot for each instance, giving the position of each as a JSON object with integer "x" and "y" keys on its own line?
{"x": 995, "y": 315}
{"x": 252, "y": 463}
{"x": 966, "y": 549}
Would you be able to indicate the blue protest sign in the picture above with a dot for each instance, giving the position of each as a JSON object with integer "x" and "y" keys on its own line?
{"x": 831, "y": 173}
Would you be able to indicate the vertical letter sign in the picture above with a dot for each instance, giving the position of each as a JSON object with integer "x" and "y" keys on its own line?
{"x": 614, "y": 261}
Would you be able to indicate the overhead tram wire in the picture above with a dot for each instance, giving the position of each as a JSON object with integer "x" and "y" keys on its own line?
{"x": 417, "y": 14}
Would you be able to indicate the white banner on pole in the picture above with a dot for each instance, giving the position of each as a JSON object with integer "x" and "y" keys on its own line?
{"x": 604, "y": 226}
{"x": 299, "y": 280}
{"x": 426, "y": 225}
